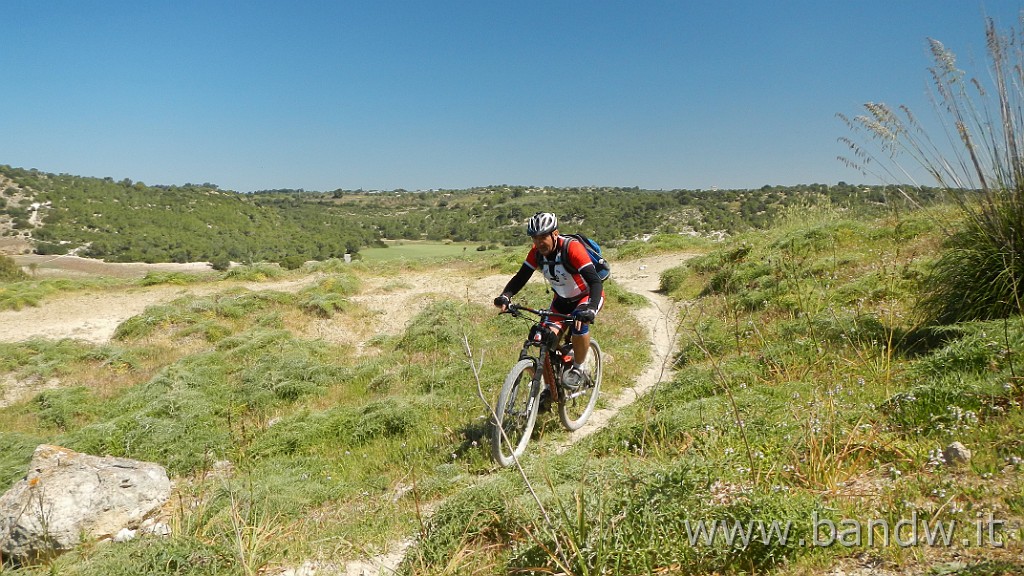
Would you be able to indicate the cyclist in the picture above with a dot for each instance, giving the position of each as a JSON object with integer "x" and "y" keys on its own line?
{"x": 578, "y": 289}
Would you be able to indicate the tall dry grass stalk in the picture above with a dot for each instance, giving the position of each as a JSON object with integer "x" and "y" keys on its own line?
{"x": 977, "y": 163}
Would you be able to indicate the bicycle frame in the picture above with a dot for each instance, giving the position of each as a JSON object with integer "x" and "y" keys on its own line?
{"x": 548, "y": 345}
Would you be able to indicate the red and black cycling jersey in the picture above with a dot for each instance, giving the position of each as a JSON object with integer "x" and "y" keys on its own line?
{"x": 566, "y": 280}
{"x": 571, "y": 279}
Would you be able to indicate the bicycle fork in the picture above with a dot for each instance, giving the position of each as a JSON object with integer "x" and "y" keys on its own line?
{"x": 533, "y": 392}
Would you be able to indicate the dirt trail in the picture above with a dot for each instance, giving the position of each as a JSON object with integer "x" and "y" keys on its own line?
{"x": 659, "y": 316}
{"x": 93, "y": 316}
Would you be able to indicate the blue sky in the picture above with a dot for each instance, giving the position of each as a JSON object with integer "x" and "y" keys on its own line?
{"x": 425, "y": 94}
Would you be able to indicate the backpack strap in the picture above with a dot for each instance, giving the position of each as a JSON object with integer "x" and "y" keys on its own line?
{"x": 559, "y": 256}
{"x": 563, "y": 254}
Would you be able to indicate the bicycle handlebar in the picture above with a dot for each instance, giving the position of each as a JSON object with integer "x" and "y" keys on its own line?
{"x": 515, "y": 309}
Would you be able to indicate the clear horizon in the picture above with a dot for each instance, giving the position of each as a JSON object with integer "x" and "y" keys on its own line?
{"x": 452, "y": 95}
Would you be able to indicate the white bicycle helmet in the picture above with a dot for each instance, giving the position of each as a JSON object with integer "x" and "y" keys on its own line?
{"x": 541, "y": 223}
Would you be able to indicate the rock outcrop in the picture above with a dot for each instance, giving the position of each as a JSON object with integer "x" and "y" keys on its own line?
{"x": 67, "y": 497}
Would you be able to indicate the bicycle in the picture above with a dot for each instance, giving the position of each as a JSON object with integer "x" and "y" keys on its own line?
{"x": 541, "y": 364}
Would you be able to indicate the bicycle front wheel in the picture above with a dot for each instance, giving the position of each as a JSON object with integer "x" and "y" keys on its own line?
{"x": 515, "y": 413}
{"x": 576, "y": 406}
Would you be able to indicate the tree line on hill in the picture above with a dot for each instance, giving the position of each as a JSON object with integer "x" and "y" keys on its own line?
{"x": 125, "y": 221}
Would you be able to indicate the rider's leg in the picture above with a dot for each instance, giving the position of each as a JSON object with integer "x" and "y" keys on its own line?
{"x": 581, "y": 334}
{"x": 580, "y": 347}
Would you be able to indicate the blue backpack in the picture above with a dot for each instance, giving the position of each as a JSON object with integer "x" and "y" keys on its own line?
{"x": 604, "y": 269}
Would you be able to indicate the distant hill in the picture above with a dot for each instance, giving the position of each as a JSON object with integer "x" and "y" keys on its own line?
{"x": 131, "y": 222}
{"x": 127, "y": 221}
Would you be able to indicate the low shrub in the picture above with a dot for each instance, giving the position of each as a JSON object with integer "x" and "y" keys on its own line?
{"x": 254, "y": 272}
{"x": 174, "y": 278}
{"x": 10, "y": 271}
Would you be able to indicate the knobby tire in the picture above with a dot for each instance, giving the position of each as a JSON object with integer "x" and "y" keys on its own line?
{"x": 574, "y": 412}
{"x": 516, "y": 413}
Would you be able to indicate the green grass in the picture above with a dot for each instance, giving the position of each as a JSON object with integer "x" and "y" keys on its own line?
{"x": 413, "y": 250}
{"x": 663, "y": 244}
{"x": 173, "y": 278}
{"x": 804, "y": 385}
{"x": 18, "y": 294}
{"x": 802, "y": 372}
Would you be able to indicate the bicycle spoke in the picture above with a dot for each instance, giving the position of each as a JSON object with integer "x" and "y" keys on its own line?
{"x": 516, "y": 414}
{"x": 577, "y": 405}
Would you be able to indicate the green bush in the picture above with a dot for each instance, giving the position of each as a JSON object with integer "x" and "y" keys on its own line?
{"x": 674, "y": 278}
{"x": 220, "y": 262}
{"x": 438, "y": 327}
{"x": 175, "y": 278}
{"x": 980, "y": 274}
{"x": 255, "y": 272}
{"x": 329, "y": 295}
{"x": 10, "y": 271}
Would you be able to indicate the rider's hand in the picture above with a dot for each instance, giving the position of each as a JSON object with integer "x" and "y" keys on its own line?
{"x": 502, "y": 302}
{"x": 585, "y": 315}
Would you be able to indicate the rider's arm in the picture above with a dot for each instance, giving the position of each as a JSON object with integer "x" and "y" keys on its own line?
{"x": 595, "y": 284}
{"x": 578, "y": 257}
{"x": 519, "y": 280}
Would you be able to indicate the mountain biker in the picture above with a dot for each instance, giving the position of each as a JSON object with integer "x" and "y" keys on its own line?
{"x": 579, "y": 294}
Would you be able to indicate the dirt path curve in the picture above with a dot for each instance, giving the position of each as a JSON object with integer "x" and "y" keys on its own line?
{"x": 659, "y": 316}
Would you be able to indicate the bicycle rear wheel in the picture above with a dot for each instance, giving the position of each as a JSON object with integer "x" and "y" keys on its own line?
{"x": 576, "y": 406}
{"x": 516, "y": 413}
